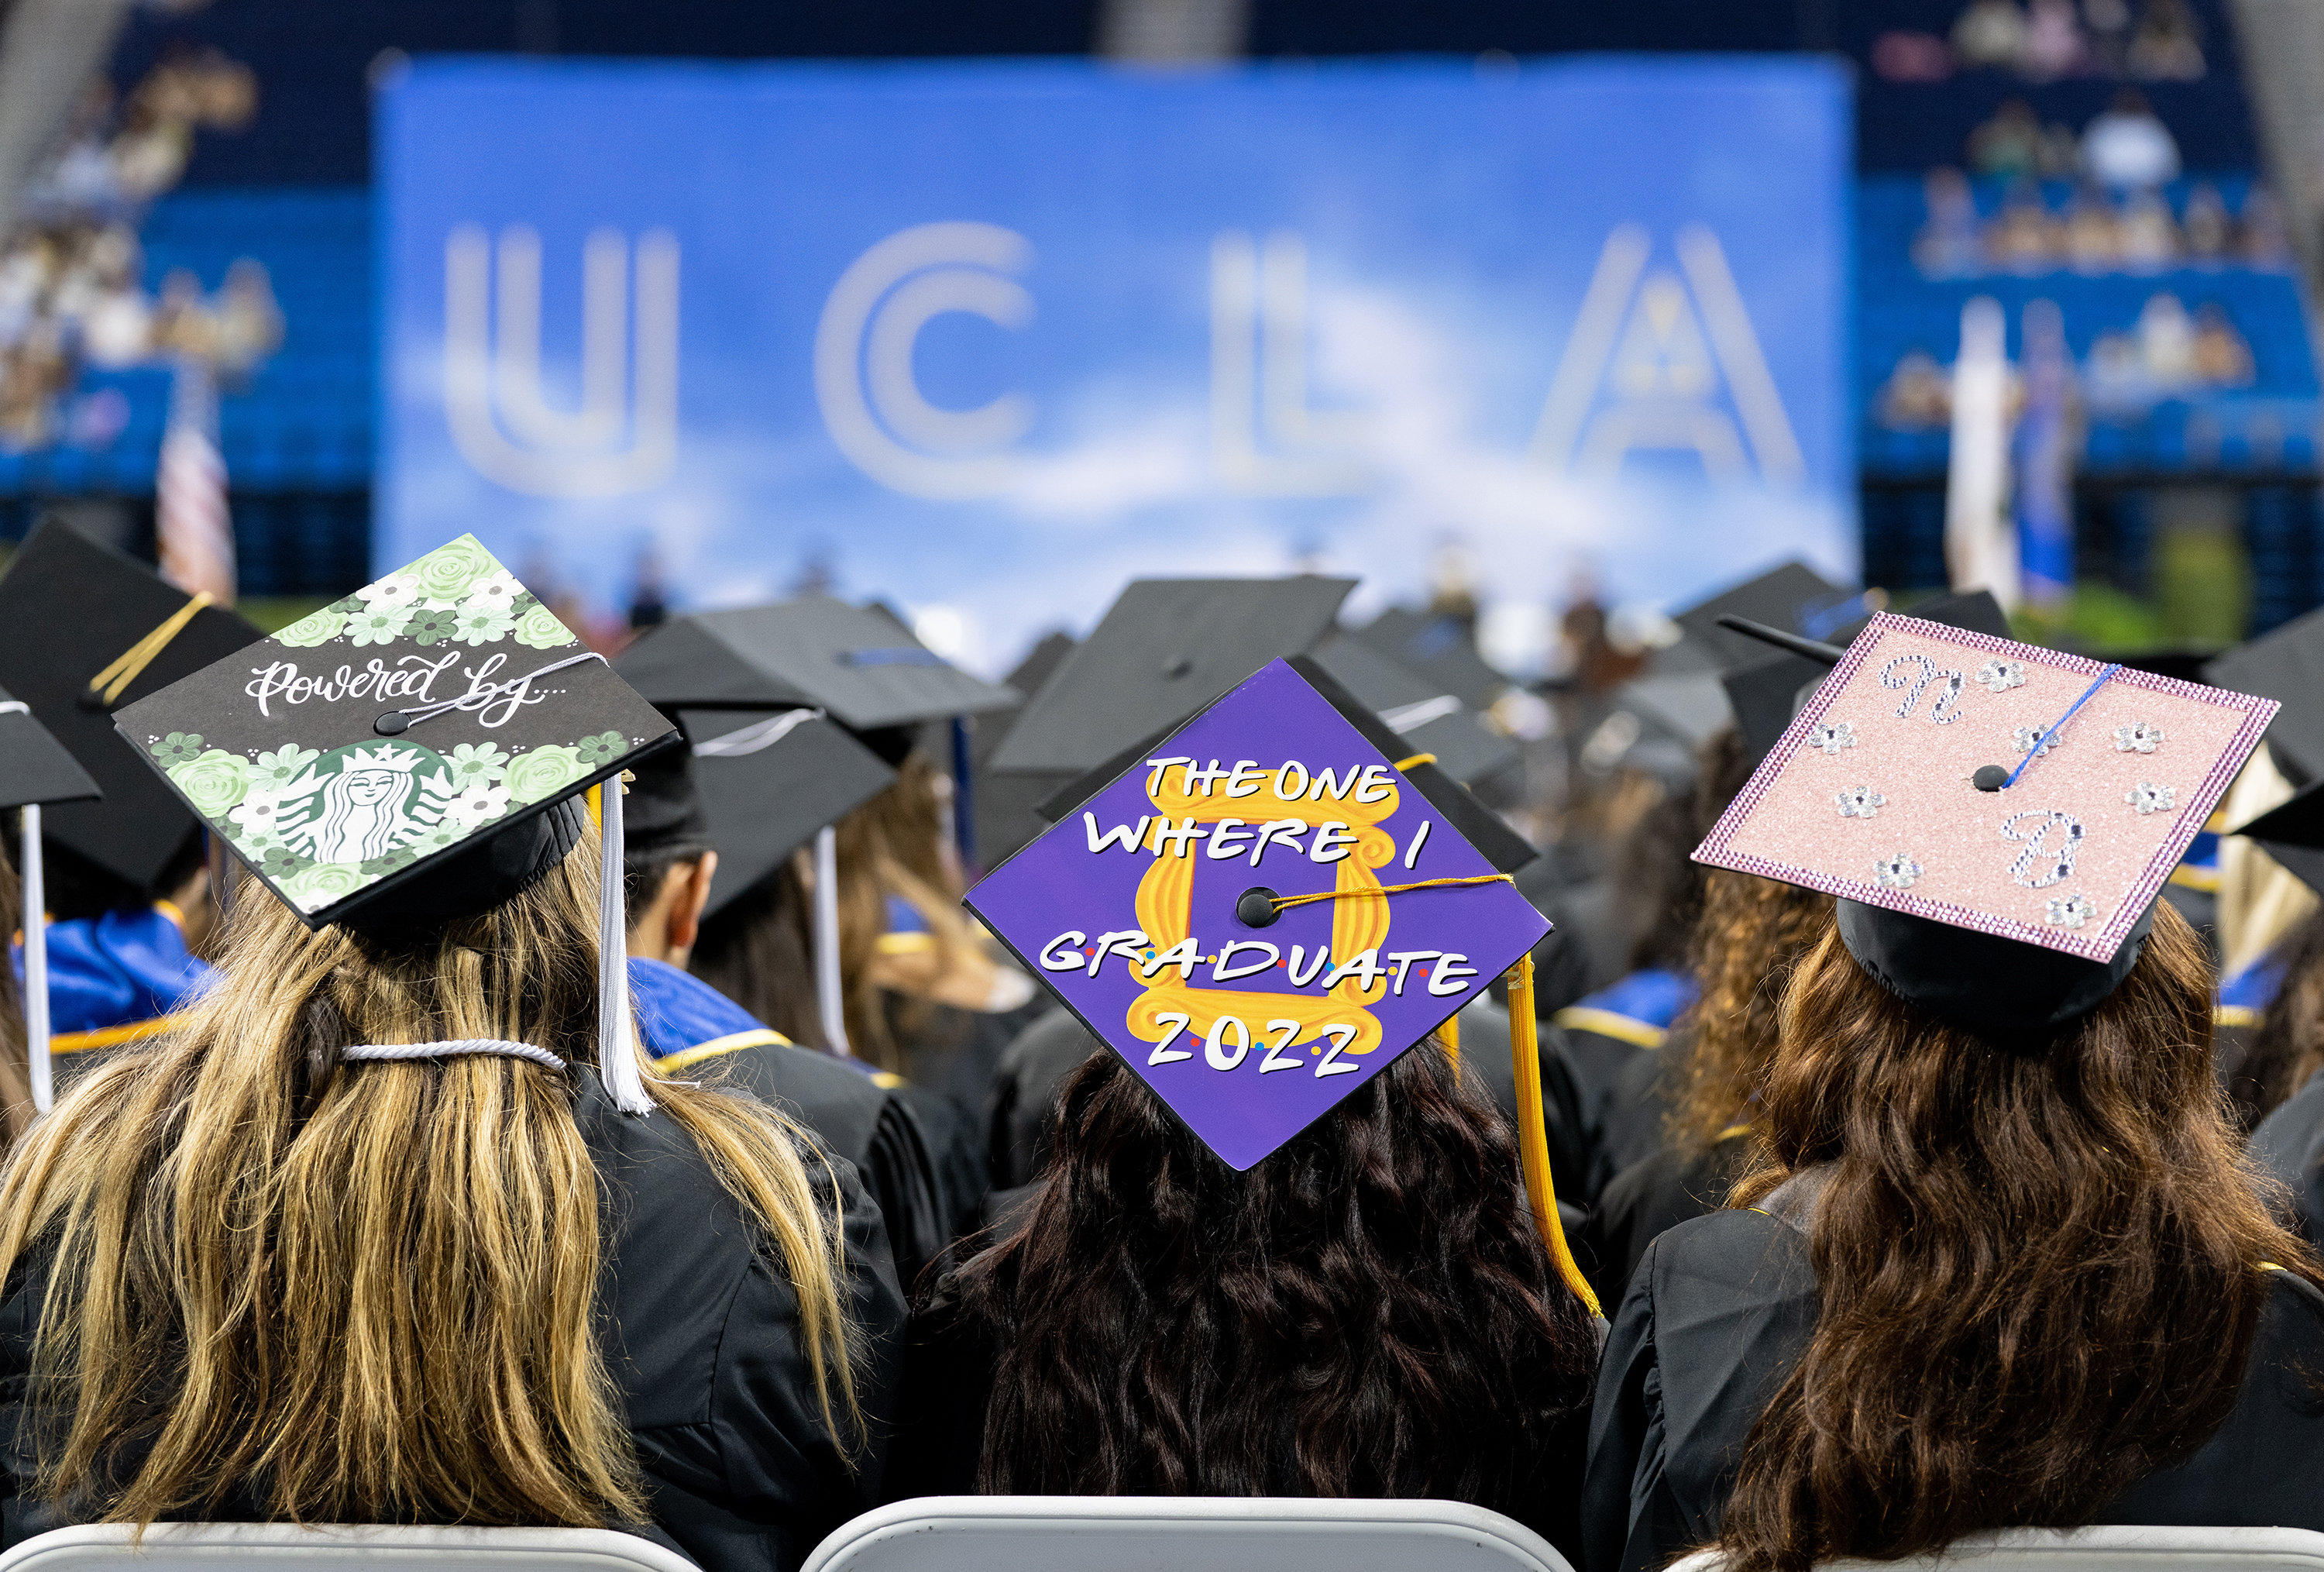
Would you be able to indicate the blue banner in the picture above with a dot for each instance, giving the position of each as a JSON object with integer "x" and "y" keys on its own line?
{"x": 987, "y": 340}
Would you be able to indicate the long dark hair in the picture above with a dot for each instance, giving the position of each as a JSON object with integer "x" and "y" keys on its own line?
{"x": 1366, "y": 1312}
{"x": 2288, "y": 1045}
{"x": 1753, "y": 931}
{"x": 2041, "y": 1267}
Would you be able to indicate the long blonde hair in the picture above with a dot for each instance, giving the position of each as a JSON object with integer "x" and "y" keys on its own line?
{"x": 363, "y": 1291}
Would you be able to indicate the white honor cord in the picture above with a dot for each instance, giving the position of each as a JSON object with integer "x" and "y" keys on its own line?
{"x": 617, "y": 1059}
{"x": 456, "y": 1046}
{"x": 831, "y": 1004}
{"x": 36, "y": 961}
{"x": 756, "y": 738}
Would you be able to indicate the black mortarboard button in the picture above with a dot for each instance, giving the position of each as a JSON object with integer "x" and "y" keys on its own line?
{"x": 1115, "y": 689}
{"x": 277, "y": 750}
{"x": 858, "y": 664}
{"x": 1256, "y": 908}
{"x": 1989, "y": 778}
{"x": 767, "y": 780}
{"x": 71, "y": 609}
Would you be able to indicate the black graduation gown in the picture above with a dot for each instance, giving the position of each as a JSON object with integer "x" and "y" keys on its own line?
{"x": 1721, "y": 1308}
{"x": 2289, "y": 1144}
{"x": 950, "y": 1360}
{"x": 1652, "y": 1195}
{"x": 701, "y": 1337}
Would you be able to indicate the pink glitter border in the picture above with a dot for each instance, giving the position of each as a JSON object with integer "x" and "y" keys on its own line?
{"x": 2099, "y": 946}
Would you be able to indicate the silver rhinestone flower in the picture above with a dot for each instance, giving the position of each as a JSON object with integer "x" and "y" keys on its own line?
{"x": 1832, "y": 736}
{"x": 2069, "y": 910}
{"x": 1859, "y": 802}
{"x": 2001, "y": 676}
{"x": 2033, "y": 739}
{"x": 2148, "y": 798}
{"x": 2140, "y": 737}
{"x": 1896, "y": 873}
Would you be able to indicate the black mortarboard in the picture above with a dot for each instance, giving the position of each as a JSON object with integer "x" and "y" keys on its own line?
{"x": 857, "y": 664}
{"x": 1430, "y": 719}
{"x": 1003, "y": 805}
{"x": 1164, "y": 650}
{"x": 767, "y": 780}
{"x": 34, "y": 767}
{"x": 2293, "y": 833}
{"x": 73, "y": 611}
{"x": 2286, "y": 665}
{"x": 1794, "y": 598}
{"x": 1441, "y": 647}
{"x": 350, "y": 759}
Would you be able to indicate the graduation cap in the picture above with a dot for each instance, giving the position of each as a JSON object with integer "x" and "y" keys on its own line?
{"x": 2286, "y": 665}
{"x": 35, "y": 770}
{"x": 411, "y": 754}
{"x": 766, "y": 782}
{"x": 1997, "y": 817}
{"x": 85, "y": 629}
{"x": 1264, "y": 912}
{"x": 1441, "y": 647}
{"x": 1794, "y": 598}
{"x": 1429, "y": 717}
{"x": 1164, "y": 649}
{"x": 1767, "y": 693}
{"x": 2293, "y": 833}
{"x": 858, "y": 664}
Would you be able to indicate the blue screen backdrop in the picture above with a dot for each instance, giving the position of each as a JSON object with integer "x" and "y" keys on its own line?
{"x": 986, "y": 340}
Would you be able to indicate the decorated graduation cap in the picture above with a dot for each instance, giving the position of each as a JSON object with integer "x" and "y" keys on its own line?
{"x": 414, "y": 752}
{"x": 35, "y": 771}
{"x": 1997, "y": 817}
{"x": 1265, "y": 911}
{"x": 85, "y": 629}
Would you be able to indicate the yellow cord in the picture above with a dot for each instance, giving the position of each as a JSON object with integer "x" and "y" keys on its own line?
{"x": 1285, "y": 902}
{"x": 1449, "y": 1034}
{"x": 1416, "y": 759}
{"x": 113, "y": 681}
{"x": 1533, "y": 1138}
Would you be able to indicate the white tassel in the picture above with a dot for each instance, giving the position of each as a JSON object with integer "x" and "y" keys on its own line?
{"x": 36, "y": 961}
{"x": 831, "y": 1003}
{"x": 617, "y": 1058}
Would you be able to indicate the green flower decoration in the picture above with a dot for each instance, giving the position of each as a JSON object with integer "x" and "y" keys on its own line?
{"x": 278, "y": 862}
{"x": 316, "y": 627}
{"x": 475, "y": 761}
{"x": 601, "y": 750}
{"x": 280, "y": 768}
{"x": 177, "y": 748}
{"x": 443, "y": 836}
{"x": 542, "y": 773}
{"x": 432, "y": 625}
{"x": 379, "y": 625}
{"x": 379, "y": 867}
{"x": 315, "y": 886}
{"x": 481, "y": 625}
{"x": 536, "y": 628}
{"x": 346, "y": 605}
{"x": 446, "y": 573}
{"x": 213, "y": 781}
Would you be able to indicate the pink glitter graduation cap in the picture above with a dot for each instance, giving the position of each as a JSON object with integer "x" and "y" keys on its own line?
{"x": 1990, "y": 785}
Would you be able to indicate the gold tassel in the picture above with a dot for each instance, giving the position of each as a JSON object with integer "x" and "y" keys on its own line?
{"x": 1533, "y": 1137}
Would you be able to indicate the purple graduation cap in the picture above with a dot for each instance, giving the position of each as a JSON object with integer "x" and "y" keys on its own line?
{"x": 1267, "y": 909}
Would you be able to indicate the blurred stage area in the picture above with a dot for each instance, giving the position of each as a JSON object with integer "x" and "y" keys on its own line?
{"x": 981, "y": 311}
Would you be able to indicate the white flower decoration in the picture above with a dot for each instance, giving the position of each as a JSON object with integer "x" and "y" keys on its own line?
{"x": 1859, "y": 802}
{"x": 401, "y": 592}
{"x": 256, "y": 814}
{"x": 1832, "y": 736}
{"x": 1896, "y": 873}
{"x": 2140, "y": 737}
{"x": 2033, "y": 739}
{"x": 2069, "y": 910}
{"x": 2001, "y": 676}
{"x": 478, "y": 804}
{"x": 497, "y": 592}
{"x": 2148, "y": 798}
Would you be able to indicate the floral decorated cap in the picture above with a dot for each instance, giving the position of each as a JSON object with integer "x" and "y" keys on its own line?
{"x": 434, "y": 711}
{"x": 1968, "y": 781}
{"x": 83, "y": 630}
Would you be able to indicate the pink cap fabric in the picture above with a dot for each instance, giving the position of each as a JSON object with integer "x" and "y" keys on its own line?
{"x": 1869, "y": 793}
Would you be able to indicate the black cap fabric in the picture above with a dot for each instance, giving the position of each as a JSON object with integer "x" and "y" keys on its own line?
{"x": 2286, "y": 665}
{"x": 858, "y": 664}
{"x": 70, "y": 608}
{"x": 767, "y": 780}
{"x": 349, "y": 759}
{"x": 1793, "y": 597}
{"x": 1441, "y": 648}
{"x": 1166, "y": 649}
{"x": 1430, "y": 718}
{"x": 2293, "y": 833}
{"x": 34, "y": 767}
{"x": 1996, "y": 986}
{"x": 662, "y": 816}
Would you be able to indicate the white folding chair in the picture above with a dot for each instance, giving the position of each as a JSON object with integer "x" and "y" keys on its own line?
{"x": 288, "y": 1548}
{"x": 1139, "y": 1533}
{"x": 2094, "y": 1549}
